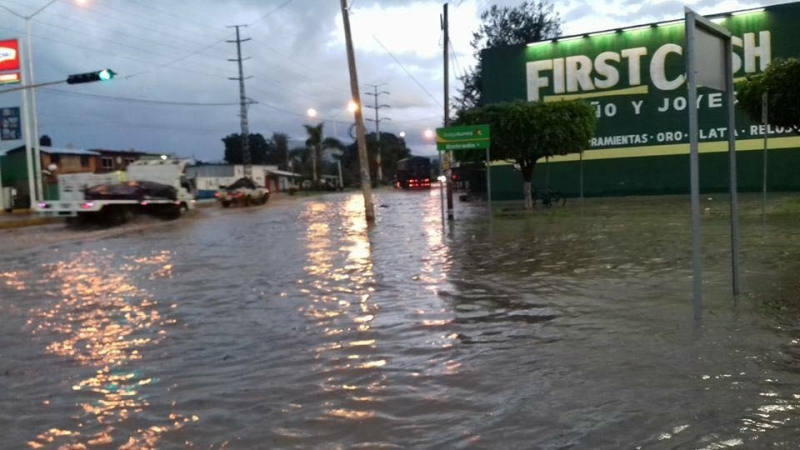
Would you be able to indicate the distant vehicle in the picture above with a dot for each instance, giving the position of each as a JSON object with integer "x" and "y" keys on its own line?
{"x": 413, "y": 173}
{"x": 156, "y": 187}
{"x": 243, "y": 192}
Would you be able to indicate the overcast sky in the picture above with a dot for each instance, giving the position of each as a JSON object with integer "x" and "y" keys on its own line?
{"x": 173, "y": 93}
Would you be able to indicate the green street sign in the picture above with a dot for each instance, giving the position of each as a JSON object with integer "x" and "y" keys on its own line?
{"x": 469, "y": 137}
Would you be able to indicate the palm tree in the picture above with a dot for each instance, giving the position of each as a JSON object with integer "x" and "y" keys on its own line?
{"x": 316, "y": 143}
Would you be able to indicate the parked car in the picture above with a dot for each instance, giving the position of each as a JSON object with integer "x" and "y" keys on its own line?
{"x": 243, "y": 192}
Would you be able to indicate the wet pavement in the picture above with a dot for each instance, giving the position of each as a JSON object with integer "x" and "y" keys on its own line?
{"x": 297, "y": 326}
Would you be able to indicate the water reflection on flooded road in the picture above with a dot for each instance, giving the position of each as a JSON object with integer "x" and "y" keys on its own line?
{"x": 297, "y": 326}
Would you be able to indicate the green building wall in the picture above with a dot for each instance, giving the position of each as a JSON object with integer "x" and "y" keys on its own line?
{"x": 14, "y": 172}
{"x": 633, "y": 77}
{"x": 652, "y": 175}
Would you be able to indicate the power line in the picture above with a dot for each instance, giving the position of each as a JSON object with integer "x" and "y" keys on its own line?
{"x": 136, "y": 100}
{"x": 140, "y": 49}
{"x": 160, "y": 43}
{"x": 95, "y": 50}
{"x": 139, "y": 21}
{"x": 270, "y": 13}
{"x": 177, "y": 60}
{"x": 454, "y": 59}
{"x": 278, "y": 108}
{"x": 406, "y": 70}
{"x": 162, "y": 11}
{"x": 172, "y": 60}
{"x": 486, "y": 4}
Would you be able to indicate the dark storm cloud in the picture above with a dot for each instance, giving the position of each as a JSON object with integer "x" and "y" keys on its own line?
{"x": 172, "y": 56}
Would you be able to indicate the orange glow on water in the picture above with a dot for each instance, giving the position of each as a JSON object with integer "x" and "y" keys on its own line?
{"x": 102, "y": 320}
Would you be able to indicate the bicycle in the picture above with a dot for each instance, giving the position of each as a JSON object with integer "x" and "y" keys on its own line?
{"x": 549, "y": 198}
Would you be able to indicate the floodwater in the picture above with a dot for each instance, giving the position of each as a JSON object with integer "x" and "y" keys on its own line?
{"x": 294, "y": 325}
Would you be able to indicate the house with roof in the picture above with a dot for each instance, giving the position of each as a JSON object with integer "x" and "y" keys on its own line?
{"x": 113, "y": 160}
{"x": 14, "y": 168}
{"x": 210, "y": 177}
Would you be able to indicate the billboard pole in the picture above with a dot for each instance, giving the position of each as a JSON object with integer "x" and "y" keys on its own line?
{"x": 734, "y": 185}
{"x": 764, "y": 120}
{"x": 714, "y": 70}
{"x": 27, "y": 132}
{"x": 694, "y": 166}
{"x": 489, "y": 183}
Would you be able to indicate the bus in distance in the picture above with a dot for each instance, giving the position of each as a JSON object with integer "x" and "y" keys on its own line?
{"x": 413, "y": 173}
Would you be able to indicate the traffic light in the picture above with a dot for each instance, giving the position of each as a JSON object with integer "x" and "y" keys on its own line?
{"x": 88, "y": 77}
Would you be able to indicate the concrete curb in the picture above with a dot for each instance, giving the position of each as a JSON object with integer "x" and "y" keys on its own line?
{"x": 27, "y": 222}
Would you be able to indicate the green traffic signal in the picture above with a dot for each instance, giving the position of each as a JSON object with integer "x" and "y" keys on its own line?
{"x": 106, "y": 74}
{"x": 88, "y": 77}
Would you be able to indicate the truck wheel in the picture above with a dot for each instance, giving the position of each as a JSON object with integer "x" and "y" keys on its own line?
{"x": 75, "y": 221}
{"x": 121, "y": 215}
{"x": 178, "y": 211}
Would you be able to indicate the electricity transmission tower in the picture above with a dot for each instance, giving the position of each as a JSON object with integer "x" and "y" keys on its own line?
{"x": 243, "y": 102}
{"x": 377, "y": 121}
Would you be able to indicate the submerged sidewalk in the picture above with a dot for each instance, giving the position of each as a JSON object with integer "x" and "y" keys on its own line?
{"x": 23, "y": 218}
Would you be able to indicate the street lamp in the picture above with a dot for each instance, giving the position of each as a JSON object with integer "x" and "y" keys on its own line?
{"x": 313, "y": 113}
{"x": 429, "y": 134}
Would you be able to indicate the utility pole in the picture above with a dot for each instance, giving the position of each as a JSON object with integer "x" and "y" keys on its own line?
{"x": 448, "y": 173}
{"x": 366, "y": 182}
{"x": 377, "y": 121}
{"x": 243, "y": 101}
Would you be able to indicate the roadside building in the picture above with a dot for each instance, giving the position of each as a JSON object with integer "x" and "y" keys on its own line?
{"x": 635, "y": 79}
{"x": 112, "y": 160}
{"x": 281, "y": 180}
{"x": 209, "y": 177}
{"x": 14, "y": 168}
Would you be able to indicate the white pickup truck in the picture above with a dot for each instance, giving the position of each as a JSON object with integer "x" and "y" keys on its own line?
{"x": 156, "y": 187}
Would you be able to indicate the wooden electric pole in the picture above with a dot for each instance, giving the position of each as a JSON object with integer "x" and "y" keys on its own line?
{"x": 448, "y": 173}
{"x": 363, "y": 158}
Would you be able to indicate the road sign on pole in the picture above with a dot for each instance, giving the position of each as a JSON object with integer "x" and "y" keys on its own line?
{"x": 709, "y": 63}
{"x": 467, "y": 137}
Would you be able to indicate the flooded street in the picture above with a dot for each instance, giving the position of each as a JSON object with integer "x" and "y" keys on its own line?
{"x": 295, "y": 326}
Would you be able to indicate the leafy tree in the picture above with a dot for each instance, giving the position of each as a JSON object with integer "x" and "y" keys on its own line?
{"x": 260, "y": 148}
{"x": 781, "y": 80}
{"x": 506, "y": 25}
{"x": 526, "y": 132}
{"x": 316, "y": 144}
{"x": 393, "y": 149}
{"x": 280, "y": 144}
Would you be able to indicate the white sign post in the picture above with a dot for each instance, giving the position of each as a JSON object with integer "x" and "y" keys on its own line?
{"x": 709, "y": 63}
